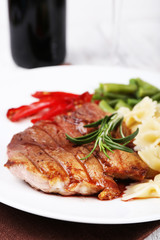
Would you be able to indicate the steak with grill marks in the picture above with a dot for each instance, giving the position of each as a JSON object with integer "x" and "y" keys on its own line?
{"x": 44, "y": 158}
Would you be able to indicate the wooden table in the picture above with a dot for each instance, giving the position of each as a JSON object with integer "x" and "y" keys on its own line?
{"x": 19, "y": 225}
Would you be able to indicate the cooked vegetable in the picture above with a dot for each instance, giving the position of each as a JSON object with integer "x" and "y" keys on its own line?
{"x": 118, "y": 88}
{"x": 143, "y": 88}
{"x": 59, "y": 109}
{"x": 49, "y": 105}
{"x": 132, "y": 101}
{"x": 15, "y": 114}
{"x": 113, "y": 102}
{"x": 156, "y": 97}
{"x": 99, "y": 95}
{"x": 102, "y": 137}
{"x": 125, "y": 95}
{"x": 121, "y": 103}
{"x": 106, "y": 107}
{"x": 109, "y": 96}
{"x": 54, "y": 95}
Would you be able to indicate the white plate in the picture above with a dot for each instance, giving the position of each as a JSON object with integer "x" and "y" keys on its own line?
{"x": 16, "y": 88}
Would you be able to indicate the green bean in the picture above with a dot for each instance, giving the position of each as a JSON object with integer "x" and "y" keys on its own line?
{"x": 121, "y": 103}
{"x": 143, "y": 92}
{"x": 99, "y": 90}
{"x": 144, "y": 88}
{"x": 141, "y": 83}
{"x": 111, "y": 95}
{"x": 156, "y": 97}
{"x": 118, "y": 88}
{"x": 113, "y": 102}
{"x": 106, "y": 107}
{"x": 108, "y": 95}
{"x": 97, "y": 96}
{"x": 133, "y": 81}
{"x": 132, "y": 101}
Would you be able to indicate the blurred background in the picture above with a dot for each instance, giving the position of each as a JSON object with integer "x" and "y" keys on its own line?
{"x": 90, "y": 33}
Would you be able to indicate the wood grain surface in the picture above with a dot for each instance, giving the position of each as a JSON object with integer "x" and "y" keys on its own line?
{"x": 18, "y": 225}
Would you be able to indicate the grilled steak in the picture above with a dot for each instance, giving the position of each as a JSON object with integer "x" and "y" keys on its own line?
{"x": 44, "y": 158}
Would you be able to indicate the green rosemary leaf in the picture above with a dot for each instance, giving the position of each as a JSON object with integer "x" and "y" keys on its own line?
{"x": 87, "y": 135}
{"x": 95, "y": 145}
{"x": 104, "y": 125}
{"x": 121, "y": 130}
{"x": 104, "y": 151}
{"x": 126, "y": 139}
{"x": 115, "y": 122}
{"x": 118, "y": 146}
{"x": 108, "y": 148}
{"x": 83, "y": 141}
{"x": 103, "y": 138}
{"x": 94, "y": 124}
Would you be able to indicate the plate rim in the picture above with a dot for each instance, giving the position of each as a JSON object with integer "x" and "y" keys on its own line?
{"x": 4, "y": 201}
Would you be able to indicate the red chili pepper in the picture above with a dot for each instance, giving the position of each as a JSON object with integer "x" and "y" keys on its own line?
{"x": 86, "y": 97}
{"x": 41, "y": 95}
{"x": 15, "y": 114}
{"x": 54, "y": 111}
{"x": 54, "y": 102}
{"x": 12, "y": 111}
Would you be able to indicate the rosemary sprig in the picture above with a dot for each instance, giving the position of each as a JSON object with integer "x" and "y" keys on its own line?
{"x": 102, "y": 136}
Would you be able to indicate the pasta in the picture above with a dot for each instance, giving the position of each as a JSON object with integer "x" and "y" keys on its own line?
{"x": 124, "y": 111}
{"x": 149, "y": 134}
{"x": 157, "y": 113}
{"x": 151, "y": 156}
{"x": 146, "y": 189}
{"x": 139, "y": 114}
{"x": 146, "y": 116}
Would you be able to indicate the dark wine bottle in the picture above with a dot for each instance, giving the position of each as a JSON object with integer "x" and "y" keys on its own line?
{"x": 37, "y": 32}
